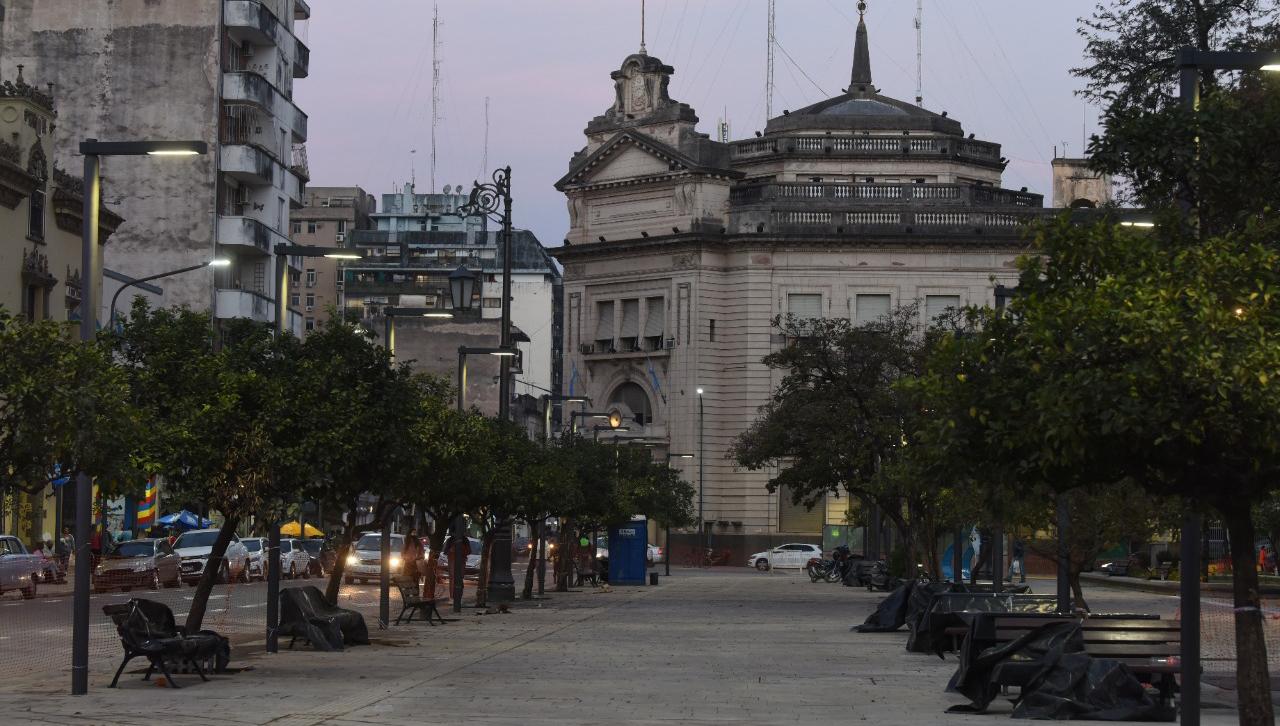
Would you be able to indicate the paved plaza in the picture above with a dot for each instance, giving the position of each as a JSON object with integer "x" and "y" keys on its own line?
{"x": 727, "y": 645}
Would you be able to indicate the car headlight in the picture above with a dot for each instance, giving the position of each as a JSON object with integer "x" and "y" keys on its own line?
{"x": 395, "y": 562}
{"x": 353, "y": 560}
{"x": 551, "y": 546}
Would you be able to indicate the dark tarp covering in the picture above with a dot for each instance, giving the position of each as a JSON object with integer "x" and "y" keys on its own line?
{"x": 1069, "y": 683}
{"x": 891, "y": 614}
{"x": 954, "y": 609}
{"x": 923, "y": 596}
{"x": 304, "y": 613}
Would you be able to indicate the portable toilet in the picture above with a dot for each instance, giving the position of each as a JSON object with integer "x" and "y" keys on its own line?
{"x": 628, "y": 552}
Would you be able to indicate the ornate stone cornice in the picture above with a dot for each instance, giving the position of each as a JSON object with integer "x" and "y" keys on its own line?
{"x": 35, "y": 269}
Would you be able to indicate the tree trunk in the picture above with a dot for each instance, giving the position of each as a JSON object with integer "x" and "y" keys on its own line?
{"x": 344, "y": 550}
{"x": 1077, "y": 592}
{"x": 212, "y": 568}
{"x": 482, "y": 586}
{"x": 567, "y": 544}
{"x": 535, "y": 528}
{"x": 439, "y": 532}
{"x": 1253, "y": 682}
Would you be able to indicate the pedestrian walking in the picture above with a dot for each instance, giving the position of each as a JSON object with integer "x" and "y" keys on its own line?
{"x": 1017, "y": 560}
{"x": 412, "y": 559}
{"x": 983, "y": 558}
{"x": 1262, "y": 558}
{"x": 1269, "y": 564}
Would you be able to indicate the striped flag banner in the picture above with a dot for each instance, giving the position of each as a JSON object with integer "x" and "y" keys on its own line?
{"x": 147, "y": 507}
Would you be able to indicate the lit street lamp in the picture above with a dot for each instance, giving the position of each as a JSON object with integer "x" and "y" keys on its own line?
{"x": 1191, "y": 62}
{"x": 90, "y": 271}
{"x": 149, "y": 278}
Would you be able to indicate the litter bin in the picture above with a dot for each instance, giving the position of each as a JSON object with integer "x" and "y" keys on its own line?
{"x": 653, "y": 578}
{"x": 628, "y": 552}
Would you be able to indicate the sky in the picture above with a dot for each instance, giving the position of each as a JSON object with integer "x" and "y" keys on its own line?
{"x": 1000, "y": 67}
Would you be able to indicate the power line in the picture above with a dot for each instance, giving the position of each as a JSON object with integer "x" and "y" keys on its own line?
{"x": 797, "y": 66}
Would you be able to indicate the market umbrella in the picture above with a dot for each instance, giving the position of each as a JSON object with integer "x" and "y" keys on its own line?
{"x": 184, "y": 520}
{"x": 291, "y": 530}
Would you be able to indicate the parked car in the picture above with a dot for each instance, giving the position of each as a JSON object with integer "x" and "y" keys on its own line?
{"x": 785, "y": 556}
{"x": 656, "y": 554}
{"x": 472, "y": 567}
{"x": 194, "y": 548}
{"x": 143, "y": 563}
{"x": 256, "y": 566}
{"x": 19, "y": 569}
{"x": 365, "y": 561}
{"x": 323, "y": 557}
{"x": 295, "y": 561}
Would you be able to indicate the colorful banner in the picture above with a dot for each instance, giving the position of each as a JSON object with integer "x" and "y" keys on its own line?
{"x": 147, "y": 507}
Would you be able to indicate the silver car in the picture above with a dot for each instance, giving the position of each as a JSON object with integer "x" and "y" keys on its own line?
{"x": 194, "y": 548}
{"x": 295, "y": 561}
{"x": 364, "y": 563}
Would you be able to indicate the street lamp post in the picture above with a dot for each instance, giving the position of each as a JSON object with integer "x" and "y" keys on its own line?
{"x": 667, "y": 553}
{"x": 90, "y": 271}
{"x": 149, "y": 278}
{"x": 702, "y": 525}
{"x": 1191, "y": 62}
{"x": 283, "y": 252}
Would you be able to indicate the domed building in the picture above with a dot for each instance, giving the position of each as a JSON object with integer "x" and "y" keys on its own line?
{"x": 682, "y": 249}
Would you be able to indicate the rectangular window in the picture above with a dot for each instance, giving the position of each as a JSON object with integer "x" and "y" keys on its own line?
{"x": 260, "y": 277}
{"x": 937, "y": 305}
{"x": 293, "y": 299}
{"x": 630, "y": 325}
{"x": 804, "y": 305}
{"x": 711, "y": 331}
{"x": 311, "y": 278}
{"x": 342, "y": 226}
{"x": 604, "y": 326}
{"x": 869, "y": 308}
{"x": 492, "y": 302}
{"x": 311, "y": 300}
{"x": 311, "y": 324}
{"x": 311, "y": 227}
{"x": 297, "y": 227}
{"x": 655, "y": 322}
{"x": 35, "y": 226}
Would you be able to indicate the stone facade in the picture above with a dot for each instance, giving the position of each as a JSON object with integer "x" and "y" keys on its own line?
{"x": 682, "y": 250}
{"x": 221, "y": 72}
{"x": 1075, "y": 185}
{"x": 330, "y": 214}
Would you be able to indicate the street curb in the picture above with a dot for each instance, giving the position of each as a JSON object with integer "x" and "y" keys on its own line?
{"x": 1164, "y": 587}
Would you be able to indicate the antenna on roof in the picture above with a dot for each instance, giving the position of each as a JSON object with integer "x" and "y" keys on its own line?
{"x": 768, "y": 74}
{"x": 642, "y": 50}
{"x": 920, "y": 53}
{"x": 435, "y": 89}
{"x": 413, "y": 167}
{"x": 484, "y": 160}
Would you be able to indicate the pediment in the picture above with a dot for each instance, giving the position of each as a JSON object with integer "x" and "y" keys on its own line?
{"x": 629, "y": 155}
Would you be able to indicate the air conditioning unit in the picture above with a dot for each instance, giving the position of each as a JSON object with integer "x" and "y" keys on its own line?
{"x": 310, "y": 307}
{"x": 340, "y": 237}
{"x": 586, "y": 349}
{"x": 341, "y": 284}
{"x": 669, "y": 344}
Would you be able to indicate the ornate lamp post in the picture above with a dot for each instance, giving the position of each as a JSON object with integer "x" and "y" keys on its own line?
{"x": 493, "y": 201}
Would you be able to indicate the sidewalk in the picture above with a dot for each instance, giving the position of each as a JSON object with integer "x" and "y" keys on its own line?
{"x": 726, "y": 645}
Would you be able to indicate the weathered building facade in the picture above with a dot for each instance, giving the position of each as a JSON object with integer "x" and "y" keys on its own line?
{"x": 329, "y": 215}
{"x": 220, "y": 71}
{"x": 682, "y": 250}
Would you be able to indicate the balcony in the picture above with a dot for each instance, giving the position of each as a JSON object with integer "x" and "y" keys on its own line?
{"x": 301, "y": 10}
{"x": 244, "y": 304}
{"x": 248, "y": 87}
{"x": 815, "y": 194}
{"x": 301, "y": 59}
{"x": 249, "y": 164}
{"x": 357, "y": 286}
{"x": 937, "y": 148}
{"x": 248, "y": 232}
{"x": 251, "y": 21}
{"x": 627, "y": 350}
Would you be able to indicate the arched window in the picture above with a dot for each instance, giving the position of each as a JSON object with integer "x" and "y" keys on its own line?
{"x": 1083, "y": 204}
{"x": 635, "y": 399}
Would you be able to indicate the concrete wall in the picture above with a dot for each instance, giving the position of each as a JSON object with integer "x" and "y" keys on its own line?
{"x": 431, "y": 346}
{"x": 133, "y": 69}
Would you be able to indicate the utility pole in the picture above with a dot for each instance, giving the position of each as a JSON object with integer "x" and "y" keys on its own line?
{"x": 768, "y": 74}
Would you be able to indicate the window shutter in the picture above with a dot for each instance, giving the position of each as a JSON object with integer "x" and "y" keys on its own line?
{"x": 604, "y": 321}
{"x": 655, "y": 318}
{"x": 804, "y": 305}
{"x": 935, "y": 305}
{"x": 869, "y": 308}
{"x": 630, "y": 318}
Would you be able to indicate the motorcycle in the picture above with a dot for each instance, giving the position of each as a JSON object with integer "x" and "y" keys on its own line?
{"x": 819, "y": 568}
{"x": 879, "y": 579}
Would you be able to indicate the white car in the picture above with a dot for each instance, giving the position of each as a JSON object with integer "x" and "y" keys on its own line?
{"x": 256, "y": 565}
{"x": 364, "y": 563}
{"x": 785, "y": 556}
{"x": 194, "y": 548}
{"x": 656, "y": 554}
{"x": 295, "y": 561}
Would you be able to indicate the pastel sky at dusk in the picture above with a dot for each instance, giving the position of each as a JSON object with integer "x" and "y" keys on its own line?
{"x": 1002, "y": 67}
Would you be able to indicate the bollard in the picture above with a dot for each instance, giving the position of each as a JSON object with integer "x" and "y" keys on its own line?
{"x": 653, "y": 578}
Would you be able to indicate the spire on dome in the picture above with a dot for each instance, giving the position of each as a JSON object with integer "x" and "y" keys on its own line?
{"x": 861, "y": 53}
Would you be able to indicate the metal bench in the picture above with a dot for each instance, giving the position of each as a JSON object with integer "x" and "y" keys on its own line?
{"x": 412, "y": 601}
{"x": 147, "y": 630}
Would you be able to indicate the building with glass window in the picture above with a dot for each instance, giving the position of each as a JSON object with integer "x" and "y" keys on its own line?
{"x": 328, "y": 217}
{"x": 682, "y": 250}
{"x": 220, "y": 71}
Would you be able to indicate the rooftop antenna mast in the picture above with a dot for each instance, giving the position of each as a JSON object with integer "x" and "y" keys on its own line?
{"x": 768, "y": 74}
{"x": 435, "y": 89}
{"x": 484, "y": 160}
{"x": 642, "y": 22}
{"x": 920, "y": 53}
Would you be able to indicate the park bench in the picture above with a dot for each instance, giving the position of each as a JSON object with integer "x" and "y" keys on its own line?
{"x": 943, "y": 624}
{"x": 306, "y": 614}
{"x": 1147, "y": 645}
{"x": 147, "y": 630}
{"x": 412, "y": 601}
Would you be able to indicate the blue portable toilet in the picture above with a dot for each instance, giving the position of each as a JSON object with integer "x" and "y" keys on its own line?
{"x": 628, "y": 552}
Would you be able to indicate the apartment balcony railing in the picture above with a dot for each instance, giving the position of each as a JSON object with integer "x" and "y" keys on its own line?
{"x": 247, "y": 163}
{"x": 249, "y": 87}
{"x": 301, "y": 60}
{"x": 655, "y": 347}
{"x": 356, "y": 286}
{"x": 253, "y": 21}
{"x": 248, "y": 232}
{"x": 811, "y": 194}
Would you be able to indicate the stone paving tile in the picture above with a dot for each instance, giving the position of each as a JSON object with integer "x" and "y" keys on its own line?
{"x": 717, "y": 647}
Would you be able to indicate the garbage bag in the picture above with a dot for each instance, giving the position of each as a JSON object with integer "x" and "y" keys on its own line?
{"x": 1077, "y": 686}
{"x": 973, "y": 678}
{"x": 891, "y": 614}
